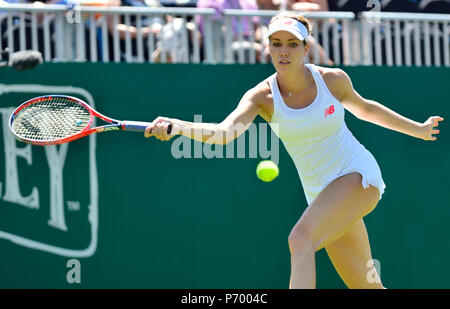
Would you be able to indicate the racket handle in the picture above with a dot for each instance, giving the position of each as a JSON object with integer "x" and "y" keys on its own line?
{"x": 139, "y": 126}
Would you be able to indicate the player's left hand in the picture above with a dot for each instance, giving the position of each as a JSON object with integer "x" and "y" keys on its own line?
{"x": 428, "y": 128}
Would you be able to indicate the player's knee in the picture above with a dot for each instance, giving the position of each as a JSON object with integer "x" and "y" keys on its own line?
{"x": 301, "y": 239}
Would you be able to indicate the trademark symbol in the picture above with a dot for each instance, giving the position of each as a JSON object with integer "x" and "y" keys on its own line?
{"x": 73, "y": 205}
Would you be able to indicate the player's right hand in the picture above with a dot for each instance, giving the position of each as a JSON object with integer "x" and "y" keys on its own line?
{"x": 159, "y": 129}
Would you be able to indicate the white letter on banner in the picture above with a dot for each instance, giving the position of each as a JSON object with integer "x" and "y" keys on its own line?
{"x": 56, "y": 164}
{"x": 12, "y": 191}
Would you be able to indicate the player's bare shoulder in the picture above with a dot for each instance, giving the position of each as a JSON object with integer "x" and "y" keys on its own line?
{"x": 337, "y": 81}
{"x": 262, "y": 92}
{"x": 263, "y": 97}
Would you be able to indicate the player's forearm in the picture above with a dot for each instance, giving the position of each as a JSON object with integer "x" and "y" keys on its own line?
{"x": 385, "y": 117}
{"x": 211, "y": 133}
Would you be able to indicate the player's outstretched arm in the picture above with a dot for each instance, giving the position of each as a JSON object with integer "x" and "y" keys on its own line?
{"x": 379, "y": 114}
{"x": 230, "y": 128}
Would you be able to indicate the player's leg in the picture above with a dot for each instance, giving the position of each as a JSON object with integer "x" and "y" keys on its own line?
{"x": 351, "y": 256}
{"x": 332, "y": 213}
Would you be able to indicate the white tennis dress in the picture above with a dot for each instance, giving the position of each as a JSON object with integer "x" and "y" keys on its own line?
{"x": 319, "y": 142}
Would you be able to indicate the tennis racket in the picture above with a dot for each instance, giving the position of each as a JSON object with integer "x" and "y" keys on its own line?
{"x": 57, "y": 119}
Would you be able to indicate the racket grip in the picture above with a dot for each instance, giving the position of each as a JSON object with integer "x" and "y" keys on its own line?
{"x": 139, "y": 126}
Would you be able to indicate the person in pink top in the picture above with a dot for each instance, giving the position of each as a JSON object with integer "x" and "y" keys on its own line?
{"x": 220, "y": 5}
{"x": 242, "y": 28}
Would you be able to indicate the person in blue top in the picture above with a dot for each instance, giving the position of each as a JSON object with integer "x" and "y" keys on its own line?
{"x": 341, "y": 179}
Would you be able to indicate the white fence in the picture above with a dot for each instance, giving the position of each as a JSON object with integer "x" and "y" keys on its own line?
{"x": 115, "y": 34}
{"x": 331, "y": 30}
{"x": 106, "y": 34}
{"x": 405, "y": 39}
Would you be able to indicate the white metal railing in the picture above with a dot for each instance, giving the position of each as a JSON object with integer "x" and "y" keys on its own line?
{"x": 405, "y": 39}
{"x": 174, "y": 39}
{"x": 336, "y": 46}
{"x": 167, "y": 34}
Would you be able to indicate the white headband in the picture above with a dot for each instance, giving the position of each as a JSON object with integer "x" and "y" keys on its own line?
{"x": 290, "y": 25}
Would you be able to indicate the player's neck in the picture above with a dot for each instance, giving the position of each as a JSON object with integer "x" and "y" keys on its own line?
{"x": 293, "y": 82}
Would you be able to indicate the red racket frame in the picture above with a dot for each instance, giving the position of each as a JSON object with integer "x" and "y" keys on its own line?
{"x": 114, "y": 124}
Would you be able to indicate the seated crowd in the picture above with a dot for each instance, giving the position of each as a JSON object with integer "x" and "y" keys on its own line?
{"x": 167, "y": 30}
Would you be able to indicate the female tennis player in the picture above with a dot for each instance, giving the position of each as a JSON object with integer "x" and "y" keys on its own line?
{"x": 340, "y": 177}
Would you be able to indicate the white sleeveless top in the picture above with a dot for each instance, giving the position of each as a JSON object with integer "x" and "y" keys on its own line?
{"x": 319, "y": 142}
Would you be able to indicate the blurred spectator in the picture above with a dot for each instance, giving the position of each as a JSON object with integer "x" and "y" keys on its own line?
{"x": 308, "y": 5}
{"x": 246, "y": 27}
{"x": 168, "y": 33}
{"x": 149, "y": 25}
{"x": 220, "y": 5}
{"x": 15, "y": 31}
{"x": 174, "y": 40}
{"x": 122, "y": 28}
{"x": 268, "y": 5}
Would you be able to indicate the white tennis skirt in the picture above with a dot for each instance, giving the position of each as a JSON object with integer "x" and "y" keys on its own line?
{"x": 365, "y": 164}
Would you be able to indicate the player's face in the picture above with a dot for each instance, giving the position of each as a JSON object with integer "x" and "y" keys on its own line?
{"x": 287, "y": 52}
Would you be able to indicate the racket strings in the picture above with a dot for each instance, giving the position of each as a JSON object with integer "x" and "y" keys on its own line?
{"x": 53, "y": 119}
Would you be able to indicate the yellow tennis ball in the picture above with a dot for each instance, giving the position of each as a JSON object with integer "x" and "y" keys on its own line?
{"x": 267, "y": 170}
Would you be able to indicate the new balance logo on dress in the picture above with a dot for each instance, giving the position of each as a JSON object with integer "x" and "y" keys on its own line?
{"x": 329, "y": 110}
